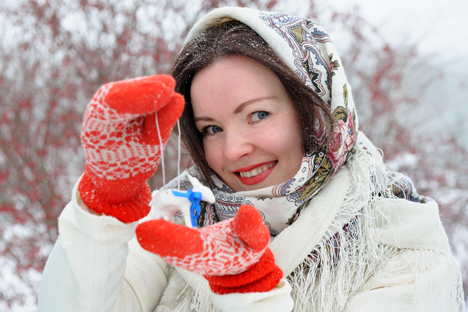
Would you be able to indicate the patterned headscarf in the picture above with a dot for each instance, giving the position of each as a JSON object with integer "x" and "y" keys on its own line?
{"x": 307, "y": 49}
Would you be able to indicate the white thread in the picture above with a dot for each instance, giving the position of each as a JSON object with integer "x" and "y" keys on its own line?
{"x": 178, "y": 157}
{"x": 161, "y": 148}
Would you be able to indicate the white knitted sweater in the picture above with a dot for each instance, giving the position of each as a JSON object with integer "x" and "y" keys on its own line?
{"x": 400, "y": 259}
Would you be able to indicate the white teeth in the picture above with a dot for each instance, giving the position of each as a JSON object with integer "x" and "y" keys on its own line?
{"x": 256, "y": 171}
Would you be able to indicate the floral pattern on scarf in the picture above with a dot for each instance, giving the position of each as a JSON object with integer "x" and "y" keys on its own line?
{"x": 309, "y": 52}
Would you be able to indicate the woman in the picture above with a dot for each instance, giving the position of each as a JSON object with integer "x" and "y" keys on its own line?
{"x": 270, "y": 122}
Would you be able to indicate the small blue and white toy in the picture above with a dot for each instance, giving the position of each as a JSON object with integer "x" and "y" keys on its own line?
{"x": 167, "y": 202}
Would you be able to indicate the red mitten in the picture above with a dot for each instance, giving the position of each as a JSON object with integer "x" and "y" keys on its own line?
{"x": 121, "y": 144}
{"x": 232, "y": 255}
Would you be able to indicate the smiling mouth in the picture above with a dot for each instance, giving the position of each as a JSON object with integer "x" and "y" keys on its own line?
{"x": 255, "y": 172}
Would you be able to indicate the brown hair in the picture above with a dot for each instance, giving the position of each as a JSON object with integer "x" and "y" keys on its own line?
{"x": 223, "y": 40}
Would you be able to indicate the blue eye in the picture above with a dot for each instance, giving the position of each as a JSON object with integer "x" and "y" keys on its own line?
{"x": 216, "y": 129}
{"x": 210, "y": 130}
{"x": 257, "y": 116}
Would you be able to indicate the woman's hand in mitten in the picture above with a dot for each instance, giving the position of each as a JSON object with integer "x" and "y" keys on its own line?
{"x": 122, "y": 145}
{"x": 233, "y": 255}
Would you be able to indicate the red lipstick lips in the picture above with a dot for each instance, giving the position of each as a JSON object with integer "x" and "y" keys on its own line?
{"x": 256, "y": 179}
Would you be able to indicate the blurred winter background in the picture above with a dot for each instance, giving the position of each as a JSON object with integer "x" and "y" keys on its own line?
{"x": 406, "y": 60}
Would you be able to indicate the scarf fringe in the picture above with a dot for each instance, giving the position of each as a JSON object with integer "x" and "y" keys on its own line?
{"x": 325, "y": 284}
{"x": 421, "y": 263}
{"x": 196, "y": 300}
{"x": 338, "y": 272}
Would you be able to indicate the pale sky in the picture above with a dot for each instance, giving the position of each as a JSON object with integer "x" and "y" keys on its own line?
{"x": 438, "y": 26}
{"x": 439, "y": 29}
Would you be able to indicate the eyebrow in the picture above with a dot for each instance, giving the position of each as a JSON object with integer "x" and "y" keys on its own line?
{"x": 240, "y": 108}
{"x": 203, "y": 119}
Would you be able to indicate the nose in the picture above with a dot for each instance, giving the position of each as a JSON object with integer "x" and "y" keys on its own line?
{"x": 238, "y": 144}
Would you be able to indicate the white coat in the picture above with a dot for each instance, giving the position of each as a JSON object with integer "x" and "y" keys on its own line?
{"x": 97, "y": 264}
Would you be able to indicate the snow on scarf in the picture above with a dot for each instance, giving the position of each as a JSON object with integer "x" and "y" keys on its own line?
{"x": 349, "y": 251}
{"x": 308, "y": 50}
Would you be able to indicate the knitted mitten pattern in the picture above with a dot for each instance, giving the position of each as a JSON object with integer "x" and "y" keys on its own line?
{"x": 121, "y": 143}
{"x": 232, "y": 255}
{"x": 261, "y": 277}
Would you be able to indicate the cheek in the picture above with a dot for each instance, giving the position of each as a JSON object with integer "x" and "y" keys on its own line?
{"x": 285, "y": 141}
{"x": 288, "y": 139}
{"x": 292, "y": 151}
{"x": 213, "y": 155}
{"x": 292, "y": 147}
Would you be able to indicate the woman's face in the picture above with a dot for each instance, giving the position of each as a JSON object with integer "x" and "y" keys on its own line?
{"x": 251, "y": 133}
